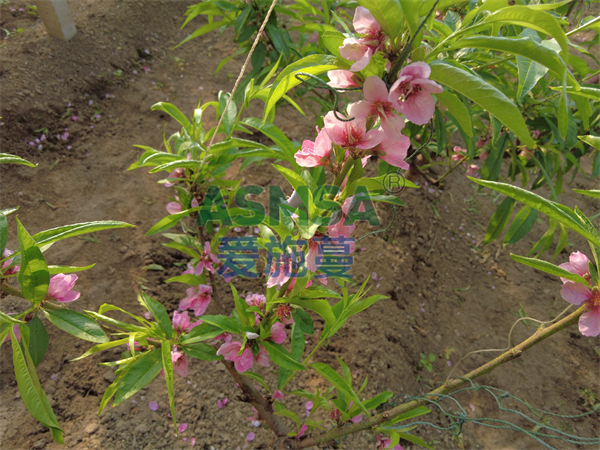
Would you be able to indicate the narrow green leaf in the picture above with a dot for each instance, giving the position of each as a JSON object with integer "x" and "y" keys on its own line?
{"x": 483, "y": 94}
{"x": 281, "y": 356}
{"x": 256, "y": 377}
{"x": 169, "y": 221}
{"x": 159, "y": 313}
{"x": 225, "y": 323}
{"x": 304, "y": 321}
{"x": 77, "y": 324}
{"x": 38, "y": 340}
{"x": 5, "y": 318}
{"x": 589, "y": 193}
{"x": 53, "y": 270}
{"x": 202, "y": 351}
{"x": 67, "y": 231}
{"x": 499, "y": 220}
{"x": 374, "y": 402}
{"x": 550, "y": 268}
{"x": 593, "y": 141}
{"x": 276, "y": 135}
{"x": 522, "y": 224}
{"x": 458, "y": 110}
{"x": 538, "y": 20}
{"x": 562, "y": 240}
{"x": 174, "y": 112}
{"x": 3, "y": 232}
{"x": 33, "y": 274}
{"x": 336, "y": 380}
{"x": 286, "y": 80}
{"x": 201, "y": 332}
{"x": 139, "y": 375}
{"x": 167, "y": 363}
{"x": 7, "y": 158}
{"x": 29, "y": 386}
{"x": 553, "y": 210}
{"x": 100, "y": 347}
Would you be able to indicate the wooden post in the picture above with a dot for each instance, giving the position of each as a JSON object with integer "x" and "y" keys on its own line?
{"x": 57, "y": 18}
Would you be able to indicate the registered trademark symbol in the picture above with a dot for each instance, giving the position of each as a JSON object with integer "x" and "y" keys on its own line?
{"x": 394, "y": 183}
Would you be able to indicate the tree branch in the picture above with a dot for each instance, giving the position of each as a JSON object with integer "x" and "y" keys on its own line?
{"x": 450, "y": 385}
{"x": 252, "y": 396}
{"x": 11, "y": 290}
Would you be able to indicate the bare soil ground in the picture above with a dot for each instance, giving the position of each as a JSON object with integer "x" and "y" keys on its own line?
{"x": 447, "y": 295}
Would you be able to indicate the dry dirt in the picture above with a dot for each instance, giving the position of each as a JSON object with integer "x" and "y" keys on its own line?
{"x": 447, "y": 295}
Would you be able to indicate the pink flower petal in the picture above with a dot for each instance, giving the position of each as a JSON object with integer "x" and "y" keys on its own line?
{"x": 182, "y": 427}
{"x": 250, "y": 437}
{"x": 589, "y": 322}
{"x": 153, "y": 406}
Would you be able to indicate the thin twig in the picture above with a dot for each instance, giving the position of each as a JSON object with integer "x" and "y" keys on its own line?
{"x": 450, "y": 385}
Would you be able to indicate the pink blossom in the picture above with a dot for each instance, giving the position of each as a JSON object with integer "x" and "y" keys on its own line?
{"x": 303, "y": 429}
{"x": 198, "y": 299}
{"x": 535, "y": 134}
{"x": 483, "y": 155}
{"x": 193, "y": 442}
{"x": 230, "y": 351}
{"x": 225, "y": 336}
{"x": 262, "y": 357}
{"x": 284, "y": 311}
{"x": 74, "y": 118}
{"x": 182, "y": 427}
{"x": 60, "y": 288}
{"x": 578, "y": 293}
{"x": 278, "y": 333}
{"x": 356, "y": 419}
{"x": 180, "y": 363}
{"x": 136, "y": 346}
{"x": 16, "y": 330}
{"x": 207, "y": 259}
{"x": 257, "y": 300}
{"x": 339, "y": 228}
{"x": 222, "y": 403}
{"x": 352, "y": 134}
{"x": 250, "y": 437}
{"x": 181, "y": 322}
{"x": 4, "y": 267}
{"x": 472, "y": 170}
{"x": 482, "y": 142}
{"x": 173, "y": 207}
{"x": 314, "y": 250}
{"x": 281, "y": 271}
{"x": 393, "y": 148}
{"x": 376, "y": 104}
{"x": 341, "y": 79}
{"x": 459, "y": 153}
{"x": 316, "y": 153}
{"x": 526, "y": 153}
{"x": 308, "y": 406}
{"x": 277, "y": 395}
{"x": 153, "y": 406}
{"x": 411, "y": 93}
{"x": 361, "y": 50}
{"x": 175, "y": 173}
{"x": 383, "y": 442}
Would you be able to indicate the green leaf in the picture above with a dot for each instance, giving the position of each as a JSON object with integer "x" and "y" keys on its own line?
{"x": 53, "y": 270}
{"x": 31, "y": 391}
{"x": 38, "y": 340}
{"x": 240, "y": 307}
{"x": 530, "y": 73}
{"x": 321, "y": 307}
{"x": 211, "y": 26}
{"x": 202, "y": 351}
{"x": 304, "y": 321}
{"x": 256, "y": 377}
{"x": 174, "y": 112}
{"x": 333, "y": 40}
{"x": 522, "y": 224}
{"x": 593, "y": 141}
{"x": 33, "y": 274}
{"x": 167, "y": 363}
{"x": 286, "y": 80}
{"x": 553, "y": 210}
{"x": 277, "y": 136}
{"x": 523, "y": 46}
{"x": 562, "y": 240}
{"x": 3, "y": 232}
{"x": 499, "y": 220}
{"x": 538, "y": 20}
{"x": 201, "y": 332}
{"x": 67, "y": 231}
{"x": 546, "y": 240}
{"x": 100, "y": 347}
{"x": 7, "y": 158}
{"x": 281, "y": 356}
{"x": 415, "y": 440}
{"x": 586, "y": 92}
{"x": 550, "y": 268}
{"x": 336, "y": 380}
{"x": 139, "y": 375}
{"x": 229, "y": 115}
{"x": 169, "y": 221}
{"x": 589, "y": 193}
{"x": 458, "y": 110}
{"x": 388, "y": 14}
{"x": 290, "y": 414}
{"x": 5, "y": 318}
{"x": 374, "y": 402}
{"x": 225, "y": 323}
{"x": 483, "y": 94}
{"x": 77, "y": 324}
{"x": 159, "y": 313}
